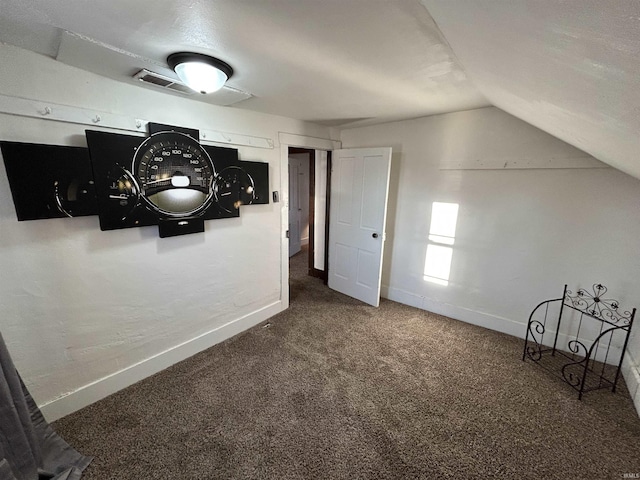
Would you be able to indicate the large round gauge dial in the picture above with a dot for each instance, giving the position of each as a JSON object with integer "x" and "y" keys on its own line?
{"x": 175, "y": 174}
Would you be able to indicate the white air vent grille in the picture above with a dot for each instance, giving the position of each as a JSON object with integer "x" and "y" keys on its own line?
{"x": 147, "y": 76}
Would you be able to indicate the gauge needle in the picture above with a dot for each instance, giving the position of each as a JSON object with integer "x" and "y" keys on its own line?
{"x": 168, "y": 179}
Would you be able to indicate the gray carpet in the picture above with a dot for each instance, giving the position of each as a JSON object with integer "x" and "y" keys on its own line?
{"x": 337, "y": 389}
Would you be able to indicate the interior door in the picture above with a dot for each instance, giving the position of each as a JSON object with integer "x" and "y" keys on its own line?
{"x": 294, "y": 208}
{"x": 359, "y": 191}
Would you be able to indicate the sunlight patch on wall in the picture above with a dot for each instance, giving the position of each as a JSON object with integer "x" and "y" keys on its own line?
{"x": 442, "y": 232}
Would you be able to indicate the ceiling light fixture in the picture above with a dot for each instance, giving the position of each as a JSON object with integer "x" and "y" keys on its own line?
{"x": 200, "y": 72}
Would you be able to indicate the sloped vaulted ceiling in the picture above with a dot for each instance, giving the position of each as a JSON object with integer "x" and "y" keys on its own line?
{"x": 570, "y": 67}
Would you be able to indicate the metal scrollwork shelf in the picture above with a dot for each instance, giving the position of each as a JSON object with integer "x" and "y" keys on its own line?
{"x": 594, "y": 330}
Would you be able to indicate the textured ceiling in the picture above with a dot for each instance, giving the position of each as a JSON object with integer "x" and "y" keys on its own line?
{"x": 571, "y": 68}
{"x": 335, "y": 62}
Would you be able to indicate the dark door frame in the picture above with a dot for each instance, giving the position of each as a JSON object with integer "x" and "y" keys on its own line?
{"x": 314, "y": 272}
{"x": 326, "y": 219}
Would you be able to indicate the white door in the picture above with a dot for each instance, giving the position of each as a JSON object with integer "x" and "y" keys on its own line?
{"x": 359, "y": 190}
{"x": 294, "y": 209}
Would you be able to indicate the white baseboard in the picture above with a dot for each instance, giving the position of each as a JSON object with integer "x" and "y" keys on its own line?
{"x": 467, "y": 315}
{"x": 104, "y": 387}
{"x": 304, "y": 241}
{"x": 630, "y": 368}
{"x": 631, "y": 374}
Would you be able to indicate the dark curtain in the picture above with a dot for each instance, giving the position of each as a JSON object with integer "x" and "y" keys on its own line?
{"x": 29, "y": 447}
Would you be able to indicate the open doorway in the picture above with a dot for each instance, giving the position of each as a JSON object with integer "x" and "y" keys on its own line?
{"x": 309, "y": 177}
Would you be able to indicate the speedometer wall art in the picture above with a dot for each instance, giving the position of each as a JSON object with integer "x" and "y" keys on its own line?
{"x": 175, "y": 173}
{"x": 168, "y": 179}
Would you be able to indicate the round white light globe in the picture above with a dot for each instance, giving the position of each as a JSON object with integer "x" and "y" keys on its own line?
{"x": 201, "y": 77}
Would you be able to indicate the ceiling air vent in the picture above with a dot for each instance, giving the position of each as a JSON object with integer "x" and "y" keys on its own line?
{"x": 152, "y": 78}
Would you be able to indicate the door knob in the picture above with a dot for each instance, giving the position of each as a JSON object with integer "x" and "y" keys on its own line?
{"x": 375, "y": 235}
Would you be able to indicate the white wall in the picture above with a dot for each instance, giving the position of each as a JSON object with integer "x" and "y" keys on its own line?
{"x": 521, "y": 233}
{"x": 320, "y": 209}
{"x": 86, "y": 312}
{"x": 304, "y": 201}
{"x": 302, "y": 161}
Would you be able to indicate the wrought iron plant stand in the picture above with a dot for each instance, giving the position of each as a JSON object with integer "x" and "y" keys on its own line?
{"x": 586, "y": 363}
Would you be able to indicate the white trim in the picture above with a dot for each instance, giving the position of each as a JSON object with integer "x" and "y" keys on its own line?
{"x": 284, "y": 225}
{"x": 25, "y": 107}
{"x": 110, "y": 384}
{"x": 295, "y": 140}
{"x": 630, "y": 368}
{"x": 581, "y": 160}
{"x": 492, "y": 322}
{"x": 631, "y": 374}
{"x": 287, "y": 140}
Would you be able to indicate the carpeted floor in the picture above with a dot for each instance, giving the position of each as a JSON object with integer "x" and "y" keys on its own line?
{"x": 337, "y": 389}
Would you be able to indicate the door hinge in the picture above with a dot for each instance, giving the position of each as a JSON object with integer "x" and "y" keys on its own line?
{"x": 287, "y": 233}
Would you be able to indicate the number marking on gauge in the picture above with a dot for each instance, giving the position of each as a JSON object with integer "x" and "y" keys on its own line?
{"x": 175, "y": 174}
